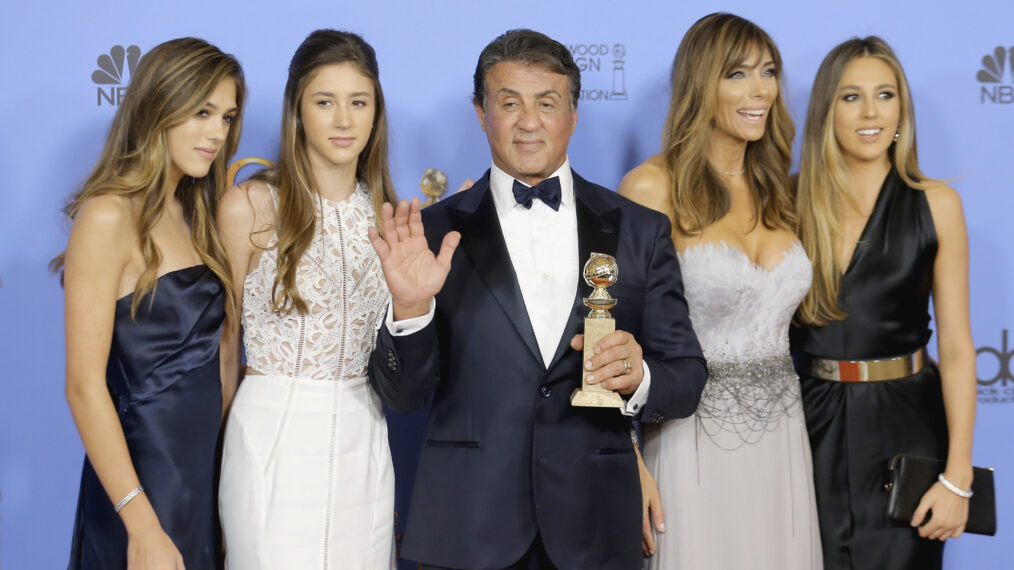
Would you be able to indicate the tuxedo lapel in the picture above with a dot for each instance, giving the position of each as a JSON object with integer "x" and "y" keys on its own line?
{"x": 598, "y": 230}
{"x": 482, "y": 240}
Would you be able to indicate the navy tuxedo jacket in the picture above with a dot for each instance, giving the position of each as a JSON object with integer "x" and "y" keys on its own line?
{"x": 505, "y": 454}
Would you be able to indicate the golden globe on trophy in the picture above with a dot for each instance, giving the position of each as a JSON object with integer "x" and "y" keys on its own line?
{"x": 600, "y": 272}
{"x": 433, "y": 185}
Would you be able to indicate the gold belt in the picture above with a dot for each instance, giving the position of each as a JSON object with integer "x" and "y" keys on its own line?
{"x": 868, "y": 370}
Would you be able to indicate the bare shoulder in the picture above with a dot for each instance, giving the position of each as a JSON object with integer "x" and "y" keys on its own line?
{"x": 104, "y": 232}
{"x": 106, "y": 219}
{"x": 944, "y": 202}
{"x": 648, "y": 184}
{"x": 106, "y": 210}
{"x": 942, "y": 196}
{"x": 945, "y": 207}
{"x": 247, "y": 205}
{"x": 246, "y": 217}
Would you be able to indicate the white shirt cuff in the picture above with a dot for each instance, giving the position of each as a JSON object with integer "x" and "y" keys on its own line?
{"x": 415, "y": 324}
{"x": 640, "y": 396}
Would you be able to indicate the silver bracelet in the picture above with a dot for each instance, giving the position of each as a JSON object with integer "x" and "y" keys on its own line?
{"x": 126, "y": 499}
{"x": 954, "y": 488}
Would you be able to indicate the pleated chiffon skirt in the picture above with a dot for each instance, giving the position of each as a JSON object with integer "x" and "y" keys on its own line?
{"x": 307, "y": 479}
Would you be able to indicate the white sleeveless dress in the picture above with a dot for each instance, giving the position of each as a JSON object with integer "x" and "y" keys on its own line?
{"x": 307, "y": 480}
{"x": 736, "y": 478}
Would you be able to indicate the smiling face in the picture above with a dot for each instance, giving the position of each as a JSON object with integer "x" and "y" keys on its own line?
{"x": 744, "y": 96}
{"x": 194, "y": 143}
{"x": 337, "y": 109}
{"x": 867, "y": 110}
{"x": 528, "y": 119}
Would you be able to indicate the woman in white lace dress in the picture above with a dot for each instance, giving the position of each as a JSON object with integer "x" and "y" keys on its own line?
{"x": 307, "y": 480}
{"x": 735, "y": 478}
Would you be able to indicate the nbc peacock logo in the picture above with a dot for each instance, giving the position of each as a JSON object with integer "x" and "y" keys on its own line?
{"x": 995, "y": 67}
{"x": 110, "y": 77}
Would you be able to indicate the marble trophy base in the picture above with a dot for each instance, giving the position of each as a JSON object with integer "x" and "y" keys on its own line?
{"x": 595, "y": 395}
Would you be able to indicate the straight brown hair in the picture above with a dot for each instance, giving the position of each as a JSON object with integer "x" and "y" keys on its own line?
{"x": 291, "y": 176}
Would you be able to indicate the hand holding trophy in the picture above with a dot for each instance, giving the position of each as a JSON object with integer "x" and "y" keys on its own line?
{"x": 600, "y": 271}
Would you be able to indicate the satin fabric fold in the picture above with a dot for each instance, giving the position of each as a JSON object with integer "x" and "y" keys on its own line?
{"x": 163, "y": 374}
{"x": 856, "y": 427}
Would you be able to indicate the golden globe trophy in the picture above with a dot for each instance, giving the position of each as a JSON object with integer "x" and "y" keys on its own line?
{"x": 433, "y": 186}
{"x": 600, "y": 272}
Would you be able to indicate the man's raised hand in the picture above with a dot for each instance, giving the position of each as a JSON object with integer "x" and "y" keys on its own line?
{"x": 414, "y": 275}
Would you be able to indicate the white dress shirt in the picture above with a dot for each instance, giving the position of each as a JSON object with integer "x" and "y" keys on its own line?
{"x": 542, "y": 244}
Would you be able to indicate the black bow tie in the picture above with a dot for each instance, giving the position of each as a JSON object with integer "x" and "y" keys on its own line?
{"x": 548, "y": 191}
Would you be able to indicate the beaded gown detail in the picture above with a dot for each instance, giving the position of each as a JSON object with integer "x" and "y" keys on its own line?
{"x": 736, "y": 477}
{"x": 307, "y": 478}
{"x": 163, "y": 374}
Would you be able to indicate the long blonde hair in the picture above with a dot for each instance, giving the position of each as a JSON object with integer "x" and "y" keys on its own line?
{"x": 291, "y": 177}
{"x": 712, "y": 47}
{"x": 171, "y": 83}
{"x": 823, "y": 177}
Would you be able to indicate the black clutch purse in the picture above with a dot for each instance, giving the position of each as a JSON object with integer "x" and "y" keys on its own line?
{"x": 910, "y": 476}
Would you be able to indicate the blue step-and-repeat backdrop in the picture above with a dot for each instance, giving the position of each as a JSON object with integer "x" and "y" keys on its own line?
{"x": 58, "y": 99}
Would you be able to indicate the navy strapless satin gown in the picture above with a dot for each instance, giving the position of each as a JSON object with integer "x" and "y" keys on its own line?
{"x": 164, "y": 378}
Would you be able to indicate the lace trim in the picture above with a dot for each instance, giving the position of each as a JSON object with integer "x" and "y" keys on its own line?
{"x": 341, "y": 280}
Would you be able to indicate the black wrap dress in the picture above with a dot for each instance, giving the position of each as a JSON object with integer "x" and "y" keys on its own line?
{"x": 857, "y": 427}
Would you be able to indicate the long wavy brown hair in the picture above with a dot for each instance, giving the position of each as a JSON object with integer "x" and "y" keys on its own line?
{"x": 171, "y": 83}
{"x": 291, "y": 176}
{"x": 713, "y": 46}
{"x": 823, "y": 178}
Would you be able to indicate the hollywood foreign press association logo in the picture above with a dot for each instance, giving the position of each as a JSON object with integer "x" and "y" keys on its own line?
{"x": 995, "y": 67}
{"x": 993, "y": 372}
{"x": 110, "y": 79}
{"x": 603, "y": 71}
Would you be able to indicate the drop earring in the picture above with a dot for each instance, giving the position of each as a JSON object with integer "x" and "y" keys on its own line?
{"x": 897, "y": 135}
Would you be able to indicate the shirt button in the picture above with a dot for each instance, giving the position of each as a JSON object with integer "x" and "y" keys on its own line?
{"x": 545, "y": 276}
{"x": 546, "y": 391}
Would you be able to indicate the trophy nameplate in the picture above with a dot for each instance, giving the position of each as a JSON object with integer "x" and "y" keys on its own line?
{"x": 600, "y": 272}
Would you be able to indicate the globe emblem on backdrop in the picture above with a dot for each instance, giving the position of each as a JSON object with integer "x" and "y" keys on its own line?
{"x": 433, "y": 185}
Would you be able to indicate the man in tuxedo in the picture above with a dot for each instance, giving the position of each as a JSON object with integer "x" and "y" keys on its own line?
{"x": 511, "y": 475}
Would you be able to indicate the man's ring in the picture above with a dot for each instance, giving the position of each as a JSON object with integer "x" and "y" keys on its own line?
{"x": 626, "y": 367}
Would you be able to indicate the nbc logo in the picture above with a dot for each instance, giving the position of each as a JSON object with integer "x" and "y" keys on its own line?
{"x": 110, "y": 78}
{"x": 994, "y": 67}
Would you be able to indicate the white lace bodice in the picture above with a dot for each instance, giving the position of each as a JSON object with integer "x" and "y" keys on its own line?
{"x": 740, "y": 310}
{"x": 741, "y": 313}
{"x": 340, "y": 278}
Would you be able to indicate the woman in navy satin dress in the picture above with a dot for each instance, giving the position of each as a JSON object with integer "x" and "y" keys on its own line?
{"x": 146, "y": 290}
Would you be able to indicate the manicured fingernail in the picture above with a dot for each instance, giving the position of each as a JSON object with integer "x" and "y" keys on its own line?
{"x": 661, "y": 527}
{"x": 597, "y": 349}
{"x": 587, "y": 365}
{"x": 591, "y": 378}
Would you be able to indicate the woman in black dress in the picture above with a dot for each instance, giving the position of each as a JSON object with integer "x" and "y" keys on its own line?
{"x": 146, "y": 289}
{"x": 882, "y": 238}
